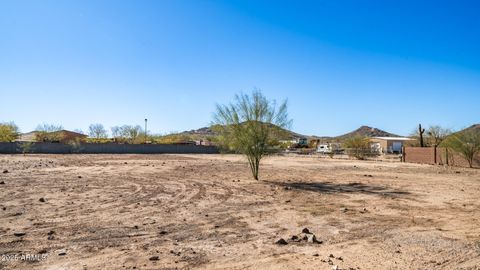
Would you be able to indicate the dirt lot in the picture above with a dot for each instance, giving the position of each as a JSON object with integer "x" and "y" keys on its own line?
{"x": 204, "y": 211}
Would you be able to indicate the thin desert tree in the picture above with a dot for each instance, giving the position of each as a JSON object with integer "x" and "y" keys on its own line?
{"x": 249, "y": 124}
{"x": 436, "y": 134}
{"x": 466, "y": 143}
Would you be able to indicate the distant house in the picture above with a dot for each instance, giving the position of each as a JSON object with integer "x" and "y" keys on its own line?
{"x": 27, "y": 137}
{"x": 326, "y": 148}
{"x": 296, "y": 140}
{"x": 66, "y": 136}
{"x": 389, "y": 145}
{"x": 61, "y": 136}
{"x": 204, "y": 142}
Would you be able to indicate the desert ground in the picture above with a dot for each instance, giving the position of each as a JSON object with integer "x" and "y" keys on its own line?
{"x": 205, "y": 212}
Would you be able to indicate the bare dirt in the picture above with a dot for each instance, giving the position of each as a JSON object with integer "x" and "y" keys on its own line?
{"x": 205, "y": 212}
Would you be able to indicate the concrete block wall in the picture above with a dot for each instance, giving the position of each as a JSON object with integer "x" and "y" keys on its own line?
{"x": 108, "y": 148}
{"x": 441, "y": 156}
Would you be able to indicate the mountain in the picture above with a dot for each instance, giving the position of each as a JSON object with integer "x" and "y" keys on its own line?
{"x": 205, "y": 132}
{"x": 366, "y": 131}
{"x": 475, "y": 128}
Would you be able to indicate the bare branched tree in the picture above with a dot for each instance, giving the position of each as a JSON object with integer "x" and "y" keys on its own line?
{"x": 97, "y": 131}
{"x": 436, "y": 134}
{"x": 127, "y": 133}
{"x": 248, "y": 125}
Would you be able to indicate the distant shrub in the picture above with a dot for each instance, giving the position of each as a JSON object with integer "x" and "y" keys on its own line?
{"x": 171, "y": 139}
{"x": 26, "y": 147}
{"x": 359, "y": 147}
{"x": 76, "y": 145}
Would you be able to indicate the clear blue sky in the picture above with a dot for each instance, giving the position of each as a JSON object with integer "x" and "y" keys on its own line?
{"x": 341, "y": 64}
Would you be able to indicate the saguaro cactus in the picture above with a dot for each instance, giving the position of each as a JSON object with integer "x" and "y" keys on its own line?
{"x": 420, "y": 133}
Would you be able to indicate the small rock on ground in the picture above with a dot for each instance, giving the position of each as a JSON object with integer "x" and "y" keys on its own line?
{"x": 305, "y": 230}
{"x": 281, "y": 242}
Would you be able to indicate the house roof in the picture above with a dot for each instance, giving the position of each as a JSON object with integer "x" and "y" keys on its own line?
{"x": 27, "y": 137}
{"x": 73, "y": 133}
{"x": 393, "y": 138}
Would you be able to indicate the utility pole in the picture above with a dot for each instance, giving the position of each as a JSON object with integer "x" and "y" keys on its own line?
{"x": 145, "y": 130}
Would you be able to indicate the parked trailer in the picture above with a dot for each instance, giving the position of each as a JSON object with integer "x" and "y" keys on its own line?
{"x": 324, "y": 149}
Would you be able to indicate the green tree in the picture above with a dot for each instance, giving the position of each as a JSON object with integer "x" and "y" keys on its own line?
{"x": 9, "y": 132}
{"x": 359, "y": 147}
{"x": 249, "y": 124}
{"x": 466, "y": 143}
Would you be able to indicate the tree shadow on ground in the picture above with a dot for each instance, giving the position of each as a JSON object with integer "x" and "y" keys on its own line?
{"x": 350, "y": 188}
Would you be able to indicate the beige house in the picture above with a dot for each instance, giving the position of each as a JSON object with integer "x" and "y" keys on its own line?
{"x": 389, "y": 145}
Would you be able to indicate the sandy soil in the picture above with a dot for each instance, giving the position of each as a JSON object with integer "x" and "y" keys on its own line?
{"x": 204, "y": 212}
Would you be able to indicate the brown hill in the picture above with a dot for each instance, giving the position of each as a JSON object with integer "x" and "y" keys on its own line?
{"x": 205, "y": 132}
{"x": 366, "y": 131}
{"x": 475, "y": 128}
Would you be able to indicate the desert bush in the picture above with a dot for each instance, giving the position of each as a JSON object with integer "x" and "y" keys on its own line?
{"x": 172, "y": 138}
{"x": 26, "y": 147}
{"x": 359, "y": 147}
{"x": 76, "y": 145}
{"x": 102, "y": 140}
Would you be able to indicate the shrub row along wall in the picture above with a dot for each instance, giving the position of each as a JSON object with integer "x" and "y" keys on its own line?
{"x": 105, "y": 148}
{"x": 437, "y": 155}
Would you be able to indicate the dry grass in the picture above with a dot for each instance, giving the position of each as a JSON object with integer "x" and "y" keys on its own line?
{"x": 204, "y": 211}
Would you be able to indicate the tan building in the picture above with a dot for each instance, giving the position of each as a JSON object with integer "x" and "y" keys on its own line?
{"x": 388, "y": 145}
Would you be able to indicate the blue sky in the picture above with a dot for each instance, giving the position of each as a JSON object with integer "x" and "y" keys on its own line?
{"x": 341, "y": 64}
